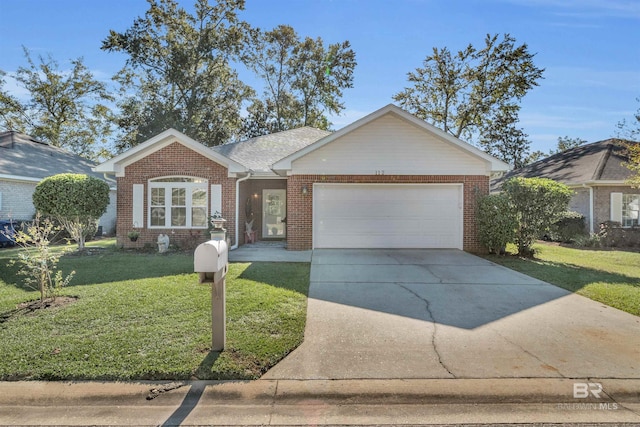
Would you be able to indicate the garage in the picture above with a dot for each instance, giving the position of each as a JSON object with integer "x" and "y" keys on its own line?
{"x": 387, "y": 215}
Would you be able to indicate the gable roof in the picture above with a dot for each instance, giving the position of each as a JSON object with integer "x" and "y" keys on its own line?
{"x": 599, "y": 162}
{"x": 117, "y": 164}
{"x": 24, "y": 158}
{"x": 284, "y": 164}
{"x": 259, "y": 153}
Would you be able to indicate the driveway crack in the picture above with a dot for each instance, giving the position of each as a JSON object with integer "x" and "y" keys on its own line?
{"x": 544, "y": 363}
{"x": 434, "y": 343}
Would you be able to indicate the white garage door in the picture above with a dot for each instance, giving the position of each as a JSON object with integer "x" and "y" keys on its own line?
{"x": 387, "y": 216}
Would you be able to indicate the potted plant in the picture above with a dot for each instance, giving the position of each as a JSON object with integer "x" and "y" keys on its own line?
{"x": 133, "y": 235}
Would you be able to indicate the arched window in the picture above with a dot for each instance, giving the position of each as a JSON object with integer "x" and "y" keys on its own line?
{"x": 178, "y": 202}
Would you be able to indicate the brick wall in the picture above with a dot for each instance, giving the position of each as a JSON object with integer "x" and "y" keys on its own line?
{"x": 300, "y": 207}
{"x": 602, "y": 202}
{"x": 173, "y": 160}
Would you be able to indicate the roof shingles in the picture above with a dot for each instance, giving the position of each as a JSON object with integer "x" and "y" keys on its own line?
{"x": 599, "y": 161}
{"x": 24, "y": 156}
{"x": 259, "y": 153}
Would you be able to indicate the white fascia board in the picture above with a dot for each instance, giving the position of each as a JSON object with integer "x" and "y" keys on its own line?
{"x": 19, "y": 178}
{"x": 117, "y": 164}
{"x": 609, "y": 183}
{"x": 497, "y": 165}
{"x": 264, "y": 176}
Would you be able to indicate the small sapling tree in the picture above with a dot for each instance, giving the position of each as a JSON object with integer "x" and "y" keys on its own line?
{"x": 39, "y": 263}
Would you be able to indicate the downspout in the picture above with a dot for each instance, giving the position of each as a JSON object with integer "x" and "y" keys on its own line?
{"x": 591, "y": 230}
{"x": 235, "y": 246}
{"x": 592, "y": 219}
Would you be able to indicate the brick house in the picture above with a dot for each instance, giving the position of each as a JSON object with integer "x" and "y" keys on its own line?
{"x": 598, "y": 177}
{"x": 387, "y": 180}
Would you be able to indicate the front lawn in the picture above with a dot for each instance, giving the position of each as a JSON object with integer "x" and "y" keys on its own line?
{"x": 611, "y": 277}
{"x": 144, "y": 316}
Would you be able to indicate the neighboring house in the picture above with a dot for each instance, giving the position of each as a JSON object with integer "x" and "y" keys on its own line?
{"x": 25, "y": 161}
{"x": 388, "y": 180}
{"x": 597, "y": 174}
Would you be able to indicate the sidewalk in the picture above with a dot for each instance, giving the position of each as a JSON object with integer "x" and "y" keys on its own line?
{"x": 319, "y": 402}
{"x": 268, "y": 252}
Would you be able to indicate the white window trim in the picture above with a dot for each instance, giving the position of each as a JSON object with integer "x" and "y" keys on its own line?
{"x": 168, "y": 186}
{"x": 623, "y": 209}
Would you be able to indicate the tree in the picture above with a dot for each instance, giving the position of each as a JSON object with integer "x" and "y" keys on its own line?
{"x": 633, "y": 164}
{"x": 178, "y": 74}
{"x": 537, "y": 204}
{"x": 11, "y": 117}
{"x": 630, "y": 131}
{"x": 76, "y": 200}
{"x": 565, "y": 143}
{"x": 502, "y": 139}
{"x": 38, "y": 262}
{"x": 475, "y": 93}
{"x": 67, "y": 109}
{"x": 535, "y": 156}
{"x": 303, "y": 79}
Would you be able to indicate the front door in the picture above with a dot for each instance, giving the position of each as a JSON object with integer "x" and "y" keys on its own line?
{"x": 274, "y": 212}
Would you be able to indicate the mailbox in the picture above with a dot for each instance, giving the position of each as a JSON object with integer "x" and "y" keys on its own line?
{"x": 210, "y": 260}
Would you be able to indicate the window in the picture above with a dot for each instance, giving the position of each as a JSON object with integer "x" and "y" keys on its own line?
{"x": 178, "y": 202}
{"x": 630, "y": 209}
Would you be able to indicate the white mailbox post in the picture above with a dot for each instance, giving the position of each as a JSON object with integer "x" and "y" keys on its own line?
{"x": 210, "y": 261}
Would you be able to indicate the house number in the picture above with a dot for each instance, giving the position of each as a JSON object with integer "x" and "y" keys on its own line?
{"x": 380, "y": 172}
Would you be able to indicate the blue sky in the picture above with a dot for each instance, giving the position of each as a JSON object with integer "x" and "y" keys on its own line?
{"x": 590, "y": 48}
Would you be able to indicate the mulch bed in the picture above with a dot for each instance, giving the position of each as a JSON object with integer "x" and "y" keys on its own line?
{"x": 30, "y": 307}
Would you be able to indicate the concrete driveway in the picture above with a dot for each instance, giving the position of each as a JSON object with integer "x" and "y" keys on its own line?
{"x": 449, "y": 314}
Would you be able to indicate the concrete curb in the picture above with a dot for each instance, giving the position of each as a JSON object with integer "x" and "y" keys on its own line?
{"x": 368, "y": 392}
{"x": 319, "y": 402}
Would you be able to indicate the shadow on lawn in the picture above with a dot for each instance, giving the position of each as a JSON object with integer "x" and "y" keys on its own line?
{"x": 204, "y": 369}
{"x": 105, "y": 267}
{"x": 287, "y": 275}
{"x": 564, "y": 275}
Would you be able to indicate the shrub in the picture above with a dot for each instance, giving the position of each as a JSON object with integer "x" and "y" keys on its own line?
{"x": 612, "y": 234}
{"x": 588, "y": 241}
{"x": 76, "y": 200}
{"x": 537, "y": 203}
{"x": 570, "y": 225}
{"x": 496, "y": 222}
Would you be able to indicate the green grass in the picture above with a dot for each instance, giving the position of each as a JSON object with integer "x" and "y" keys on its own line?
{"x": 608, "y": 276}
{"x": 144, "y": 316}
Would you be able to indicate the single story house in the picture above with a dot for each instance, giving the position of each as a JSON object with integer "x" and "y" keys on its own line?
{"x": 597, "y": 174}
{"x": 25, "y": 161}
{"x": 388, "y": 180}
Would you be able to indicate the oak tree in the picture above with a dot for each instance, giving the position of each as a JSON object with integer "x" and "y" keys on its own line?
{"x": 303, "y": 80}
{"x": 475, "y": 93}
{"x": 66, "y": 108}
{"x": 178, "y": 72}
